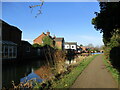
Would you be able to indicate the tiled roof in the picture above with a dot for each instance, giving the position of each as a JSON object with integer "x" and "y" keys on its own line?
{"x": 59, "y": 39}
{"x": 71, "y": 43}
{"x": 7, "y": 43}
{"x": 4, "y": 24}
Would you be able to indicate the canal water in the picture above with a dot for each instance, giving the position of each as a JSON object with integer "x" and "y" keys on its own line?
{"x": 97, "y": 53}
{"x": 15, "y": 71}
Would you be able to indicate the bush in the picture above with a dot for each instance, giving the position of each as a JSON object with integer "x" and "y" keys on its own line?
{"x": 112, "y": 50}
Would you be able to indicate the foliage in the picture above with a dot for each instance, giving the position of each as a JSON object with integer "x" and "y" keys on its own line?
{"x": 47, "y": 41}
{"x": 112, "y": 50}
{"x": 54, "y": 65}
{"x": 59, "y": 60}
{"x": 81, "y": 45}
{"x": 115, "y": 40}
{"x": 107, "y": 20}
{"x": 36, "y": 45}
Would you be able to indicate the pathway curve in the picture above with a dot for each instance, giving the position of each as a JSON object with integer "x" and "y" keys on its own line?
{"x": 95, "y": 76}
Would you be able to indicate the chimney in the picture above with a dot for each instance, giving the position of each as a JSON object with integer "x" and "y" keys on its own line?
{"x": 48, "y": 33}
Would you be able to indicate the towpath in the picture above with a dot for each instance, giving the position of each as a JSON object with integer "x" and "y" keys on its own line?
{"x": 95, "y": 76}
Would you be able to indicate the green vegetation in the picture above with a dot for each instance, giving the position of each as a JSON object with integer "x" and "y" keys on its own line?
{"x": 69, "y": 79}
{"x": 47, "y": 41}
{"x": 107, "y": 21}
{"x": 115, "y": 73}
{"x": 36, "y": 45}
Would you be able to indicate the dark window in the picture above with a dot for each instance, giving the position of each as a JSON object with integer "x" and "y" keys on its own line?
{"x": 10, "y": 52}
{"x": 6, "y": 52}
{"x": 72, "y": 46}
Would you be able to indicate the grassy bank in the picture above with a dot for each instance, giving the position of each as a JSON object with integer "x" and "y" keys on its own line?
{"x": 114, "y": 72}
{"x": 70, "y": 78}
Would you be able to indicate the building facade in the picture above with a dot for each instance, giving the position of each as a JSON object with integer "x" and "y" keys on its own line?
{"x": 11, "y": 40}
{"x": 39, "y": 40}
{"x": 56, "y": 42}
{"x": 71, "y": 45}
{"x": 12, "y": 45}
{"x": 59, "y": 43}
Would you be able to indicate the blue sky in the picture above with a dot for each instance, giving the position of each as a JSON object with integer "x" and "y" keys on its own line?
{"x": 71, "y": 20}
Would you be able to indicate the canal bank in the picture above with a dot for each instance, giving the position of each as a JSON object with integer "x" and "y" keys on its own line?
{"x": 17, "y": 71}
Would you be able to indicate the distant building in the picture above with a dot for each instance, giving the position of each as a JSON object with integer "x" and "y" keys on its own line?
{"x": 39, "y": 39}
{"x": 71, "y": 45}
{"x": 59, "y": 43}
{"x": 83, "y": 48}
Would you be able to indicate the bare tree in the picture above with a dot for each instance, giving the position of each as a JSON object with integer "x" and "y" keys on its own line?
{"x": 40, "y": 9}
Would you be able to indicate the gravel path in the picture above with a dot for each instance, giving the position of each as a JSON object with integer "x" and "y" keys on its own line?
{"x": 95, "y": 76}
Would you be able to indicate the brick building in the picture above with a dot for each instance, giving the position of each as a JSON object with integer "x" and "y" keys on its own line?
{"x": 38, "y": 40}
{"x": 57, "y": 42}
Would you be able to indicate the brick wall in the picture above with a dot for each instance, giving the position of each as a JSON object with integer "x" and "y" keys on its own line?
{"x": 38, "y": 40}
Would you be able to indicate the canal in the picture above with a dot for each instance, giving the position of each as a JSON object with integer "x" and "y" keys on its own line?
{"x": 16, "y": 71}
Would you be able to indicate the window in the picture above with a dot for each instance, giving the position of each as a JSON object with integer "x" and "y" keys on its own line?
{"x": 6, "y": 52}
{"x": 66, "y": 46}
{"x": 72, "y": 47}
{"x": 9, "y": 51}
{"x": 3, "y": 51}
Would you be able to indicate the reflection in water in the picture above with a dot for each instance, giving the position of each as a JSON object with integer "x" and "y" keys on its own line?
{"x": 16, "y": 71}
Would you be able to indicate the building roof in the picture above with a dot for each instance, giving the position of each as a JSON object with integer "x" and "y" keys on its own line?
{"x": 4, "y": 24}
{"x": 41, "y": 35}
{"x": 7, "y": 43}
{"x": 25, "y": 43}
{"x": 59, "y": 39}
{"x": 71, "y": 43}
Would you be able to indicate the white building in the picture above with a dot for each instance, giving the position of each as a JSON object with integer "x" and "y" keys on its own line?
{"x": 71, "y": 45}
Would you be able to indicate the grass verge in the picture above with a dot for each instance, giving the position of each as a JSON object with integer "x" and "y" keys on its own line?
{"x": 114, "y": 72}
{"x": 70, "y": 78}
